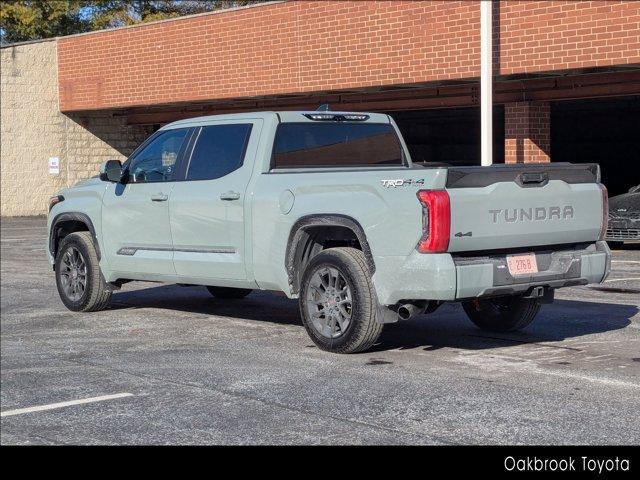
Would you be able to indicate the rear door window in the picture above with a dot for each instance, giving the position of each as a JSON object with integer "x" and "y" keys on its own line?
{"x": 219, "y": 150}
{"x": 336, "y": 145}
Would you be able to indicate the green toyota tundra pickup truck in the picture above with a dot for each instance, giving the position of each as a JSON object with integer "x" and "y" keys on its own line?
{"x": 329, "y": 208}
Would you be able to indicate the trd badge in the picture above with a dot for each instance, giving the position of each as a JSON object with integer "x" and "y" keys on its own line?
{"x": 400, "y": 182}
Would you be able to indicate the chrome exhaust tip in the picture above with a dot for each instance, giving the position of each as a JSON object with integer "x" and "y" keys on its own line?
{"x": 409, "y": 310}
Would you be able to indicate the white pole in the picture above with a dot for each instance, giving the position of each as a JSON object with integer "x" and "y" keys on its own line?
{"x": 486, "y": 82}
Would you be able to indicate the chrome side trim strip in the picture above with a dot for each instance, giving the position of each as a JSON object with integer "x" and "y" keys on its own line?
{"x": 205, "y": 249}
{"x": 131, "y": 250}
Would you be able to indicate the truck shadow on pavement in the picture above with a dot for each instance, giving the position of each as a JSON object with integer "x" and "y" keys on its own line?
{"x": 448, "y": 327}
{"x": 257, "y": 306}
{"x": 563, "y": 320}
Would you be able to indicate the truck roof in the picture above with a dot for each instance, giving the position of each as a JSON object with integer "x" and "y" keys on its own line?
{"x": 284, "y": 116}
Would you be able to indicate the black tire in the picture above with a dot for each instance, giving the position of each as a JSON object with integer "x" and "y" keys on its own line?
{"x": 502, "y": 314}
{"x": 95, "y": 294}
{"x": 363, "y": 329}
{"x": 229, "y": 293}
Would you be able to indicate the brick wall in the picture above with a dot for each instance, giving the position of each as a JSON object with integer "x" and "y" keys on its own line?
{"x": 550, "y": 35}
{"x": 527, "y": 132}
{"x": 320, "y": 46}
{"x": 277, "y": 48}
{"x": 32, "y": 129}
{"x": 96, "y": 137}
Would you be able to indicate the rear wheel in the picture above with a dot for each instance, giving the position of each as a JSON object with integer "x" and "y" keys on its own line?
{"x": 229, "y": 293}
{"x": 80, "y": 283}
{"x": 338, "y": 304}
{"x": 502, "y": 314}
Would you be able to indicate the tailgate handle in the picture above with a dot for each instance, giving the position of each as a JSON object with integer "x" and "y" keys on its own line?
{"x": 532, "y": 179}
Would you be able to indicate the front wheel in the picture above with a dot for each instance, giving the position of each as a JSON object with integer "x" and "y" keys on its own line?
{"x": 80, "y": 283}
{"x": 502, "y": 314}
{"x": 338, "y": 303}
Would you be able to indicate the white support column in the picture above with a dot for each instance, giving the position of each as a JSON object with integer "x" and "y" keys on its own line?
{"x": 486, "y": 83}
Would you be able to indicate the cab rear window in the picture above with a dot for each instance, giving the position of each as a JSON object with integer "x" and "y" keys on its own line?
{"x": 336, "y": 145}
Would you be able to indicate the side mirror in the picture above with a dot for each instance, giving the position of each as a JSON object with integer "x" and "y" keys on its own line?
{"x": 111, "y": 171}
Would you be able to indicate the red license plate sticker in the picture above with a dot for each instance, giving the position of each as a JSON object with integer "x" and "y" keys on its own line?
{"x": 522, "y": 264}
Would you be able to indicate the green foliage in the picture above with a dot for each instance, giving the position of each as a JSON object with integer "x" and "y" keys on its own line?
{"x": 22, "y": 20}
{"x": 28, "y": 20}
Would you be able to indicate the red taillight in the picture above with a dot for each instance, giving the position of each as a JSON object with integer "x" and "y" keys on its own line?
{"x": 436, "y": 221}
{"x": 605, "y": 211}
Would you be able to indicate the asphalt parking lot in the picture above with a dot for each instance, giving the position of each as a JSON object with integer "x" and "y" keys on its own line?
{"x": 180, "y": 367}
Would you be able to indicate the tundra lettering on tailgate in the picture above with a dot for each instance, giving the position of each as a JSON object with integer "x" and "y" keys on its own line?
{"x": 533, "y": 214}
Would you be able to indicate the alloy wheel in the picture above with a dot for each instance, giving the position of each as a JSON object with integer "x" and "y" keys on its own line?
{"x": 329, "y": 302}
{"x": 73, "y": 274}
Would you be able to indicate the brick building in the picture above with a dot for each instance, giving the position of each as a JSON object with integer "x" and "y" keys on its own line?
{"x": 566, "y": 82}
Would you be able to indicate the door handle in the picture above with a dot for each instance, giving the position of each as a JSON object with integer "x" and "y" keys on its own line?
{"x": 160, "y": 197}
{"x": 230, "y": 196}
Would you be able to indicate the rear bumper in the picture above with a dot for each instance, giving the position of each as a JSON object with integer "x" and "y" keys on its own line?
{"x": 489, "y": 276}
{"x": 447, "y": 277}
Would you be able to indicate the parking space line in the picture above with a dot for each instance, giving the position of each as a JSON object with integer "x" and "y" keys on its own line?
{"x": 622, "y": 279}
{"x": 52, "y": 406}
{"x": 625, "y": 261}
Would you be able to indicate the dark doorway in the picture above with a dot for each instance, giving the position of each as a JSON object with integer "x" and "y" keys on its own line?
{"x": 449, "y": 135}
{"x": 604, "y": 131}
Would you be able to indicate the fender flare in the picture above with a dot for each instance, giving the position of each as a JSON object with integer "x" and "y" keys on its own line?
{"x": 322, "y": 220}
{"x": 71, "y": 217}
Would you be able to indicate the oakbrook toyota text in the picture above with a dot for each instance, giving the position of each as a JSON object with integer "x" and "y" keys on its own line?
{"x": 569, "y": 464}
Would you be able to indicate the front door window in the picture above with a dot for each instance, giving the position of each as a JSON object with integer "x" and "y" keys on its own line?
{"x": 157, "y": 161}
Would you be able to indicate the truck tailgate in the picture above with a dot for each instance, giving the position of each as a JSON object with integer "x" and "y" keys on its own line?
{"x": 512, "y": 206}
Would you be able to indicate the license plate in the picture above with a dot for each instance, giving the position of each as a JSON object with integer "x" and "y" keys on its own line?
{"x": 522, "y": 264}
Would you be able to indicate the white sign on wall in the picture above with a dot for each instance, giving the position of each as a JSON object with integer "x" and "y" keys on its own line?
{"x": 54, "y": 165}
